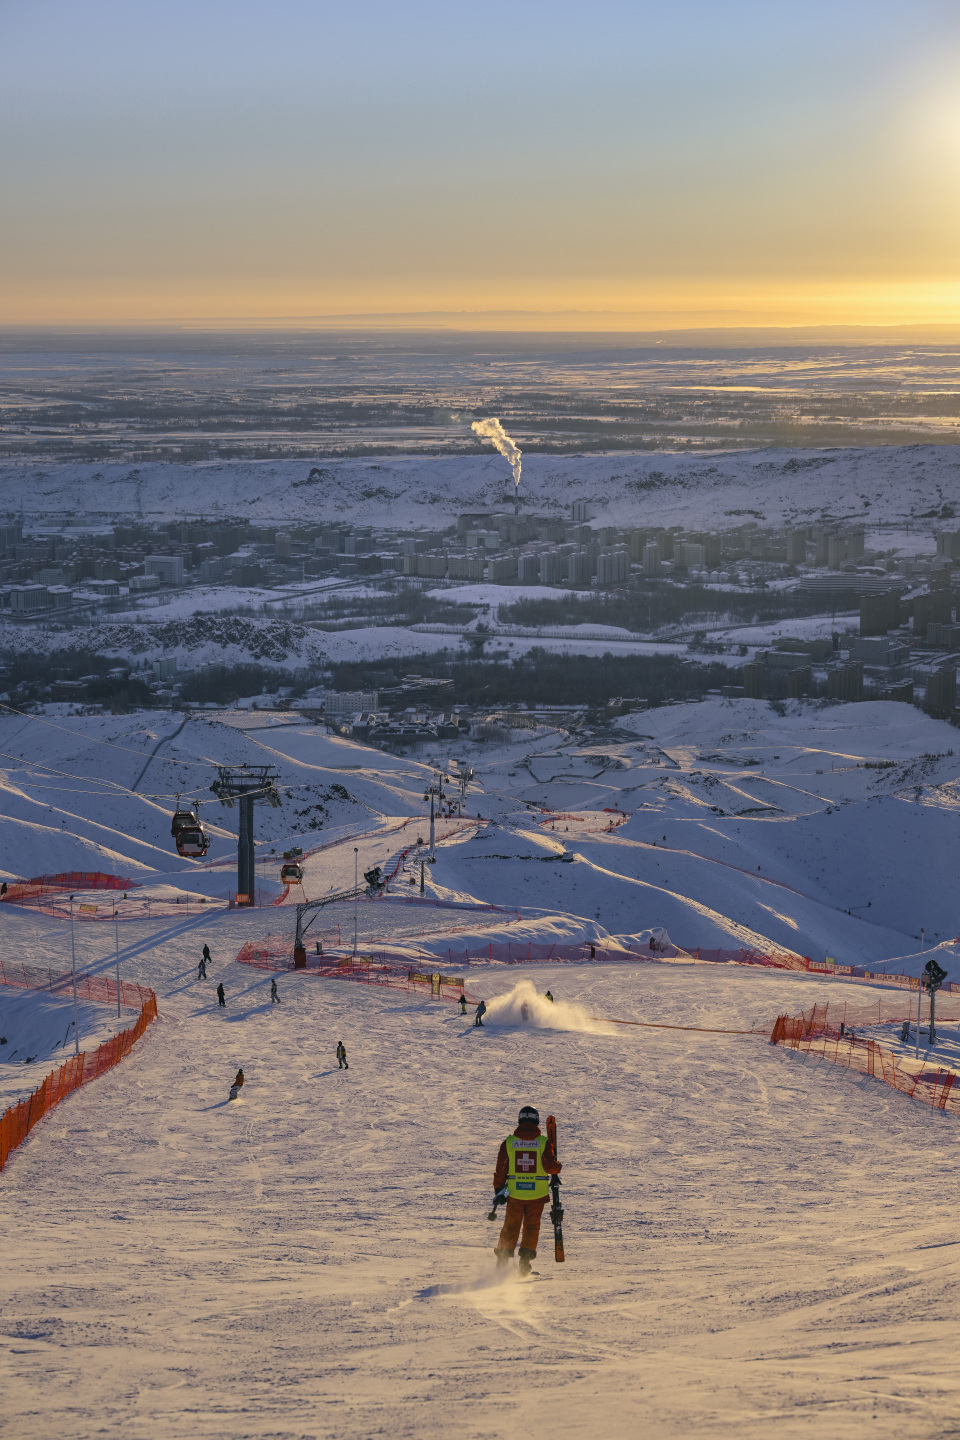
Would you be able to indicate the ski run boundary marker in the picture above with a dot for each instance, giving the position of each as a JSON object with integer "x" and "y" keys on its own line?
{"x": 17, "y": 1121}
{"x": 818, "y": 1032}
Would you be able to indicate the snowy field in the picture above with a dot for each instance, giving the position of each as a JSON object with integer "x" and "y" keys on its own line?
{"x": 744, "y": 1255}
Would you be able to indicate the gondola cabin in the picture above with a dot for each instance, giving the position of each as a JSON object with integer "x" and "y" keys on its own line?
{"x": 183, "y": 819}
{"x": 192, "y": 841}
{"x": 291, "y": 873}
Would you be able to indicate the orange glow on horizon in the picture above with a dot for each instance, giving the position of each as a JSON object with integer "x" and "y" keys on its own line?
{"x": 673, "y": 305}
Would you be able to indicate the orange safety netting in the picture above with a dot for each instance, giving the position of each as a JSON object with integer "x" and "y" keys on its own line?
{"x": 368, "y": 970}
{"x": 58, "y": 982}
{"x": 66, "y": 881}
{"x": 818, "y": 1032}
{"x": 17, "y": 1122}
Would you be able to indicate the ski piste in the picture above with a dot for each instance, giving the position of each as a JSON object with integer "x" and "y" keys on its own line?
{"x": 556, "y": 1209}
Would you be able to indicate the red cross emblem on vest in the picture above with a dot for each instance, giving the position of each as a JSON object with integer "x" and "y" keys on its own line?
{"x": 526, "y": 1162}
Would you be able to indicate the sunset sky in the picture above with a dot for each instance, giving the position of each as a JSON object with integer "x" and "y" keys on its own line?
{"x": 684, "y": 163}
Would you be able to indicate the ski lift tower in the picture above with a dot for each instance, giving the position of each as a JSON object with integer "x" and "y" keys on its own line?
{"x": 246, "y": 784}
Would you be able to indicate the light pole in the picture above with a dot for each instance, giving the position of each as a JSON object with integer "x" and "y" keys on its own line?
{"x": 116, "y": 941}
{"x": 916, "y": 1053}
{"x": 73, "y": 967}
{"x": 356, "y": 901}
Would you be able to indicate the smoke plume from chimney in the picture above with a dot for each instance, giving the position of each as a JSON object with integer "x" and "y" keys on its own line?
{"x": 493, "y": 431}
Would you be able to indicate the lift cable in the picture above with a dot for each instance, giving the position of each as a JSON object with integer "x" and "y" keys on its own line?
{"x": 41, "y": 720}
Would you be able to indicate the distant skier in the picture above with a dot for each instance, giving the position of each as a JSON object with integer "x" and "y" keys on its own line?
{"x": 221, "y": 997}
{"x": 463, "y": 1004}
{"x": 202, "y": 969}
{"x": 479, "y": 1013}
{"x": 522, "y": 1177}
{"x": 206, "y": 958}
{"x": 549, "y": 997}
{"x": 237, "y": 1085}
{"x": 274, "y": 997}
{"x": 525, "y": 1013}
{"x": 342, "y": 1056}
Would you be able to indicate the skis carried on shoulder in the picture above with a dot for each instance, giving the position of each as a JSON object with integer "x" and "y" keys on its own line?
{"x": 556, "y": 1209}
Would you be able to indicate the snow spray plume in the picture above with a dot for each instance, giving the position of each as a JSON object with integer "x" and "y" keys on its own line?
{"x": 525, "y": 1006}
{"x": 493, "y": 431}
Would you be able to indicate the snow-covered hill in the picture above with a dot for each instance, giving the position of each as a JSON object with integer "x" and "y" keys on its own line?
{"x": 886, "y": 483}
{"x": 827, "y": 830}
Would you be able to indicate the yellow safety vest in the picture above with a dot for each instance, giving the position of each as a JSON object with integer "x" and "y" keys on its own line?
{"x": 526, "y": 1177}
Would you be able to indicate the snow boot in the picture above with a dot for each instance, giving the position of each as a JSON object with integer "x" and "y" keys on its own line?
{"x": 527, "y": 1258}
{"x": 503, "y": 1257}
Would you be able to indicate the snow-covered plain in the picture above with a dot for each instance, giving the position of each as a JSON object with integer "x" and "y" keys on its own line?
{"x": 757, "y": 1242}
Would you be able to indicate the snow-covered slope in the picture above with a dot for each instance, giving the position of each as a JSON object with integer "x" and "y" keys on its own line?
{"x": 828, "y": 830}
{"x": 885, "y": 482}
{"x": 756, "y": 1243}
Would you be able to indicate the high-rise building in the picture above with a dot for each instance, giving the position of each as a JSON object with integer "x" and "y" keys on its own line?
{"x": 880, "y": 613}
{"x": 845, "y": 682}
{"x": 502, "y": 570}
{"x": 753, "y": 674}
{"x": 551, "y": 567}
{"x": 796, "y": 547}
{"x": 613, "y": 566}
{"x": 942, "y": 692}
{"x": 577, "y": 569}
{"x": 948, "y": 544}
{"x": 528, "y": 568}
{"x": 934, "y": 605}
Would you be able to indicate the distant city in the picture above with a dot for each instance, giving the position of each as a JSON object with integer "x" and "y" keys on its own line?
{"x": 892, "y": 631}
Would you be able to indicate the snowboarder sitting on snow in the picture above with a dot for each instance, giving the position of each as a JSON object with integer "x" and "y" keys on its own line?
{"x": 524, "y": 1166}
{"x": 481, "y": 1010}
{"x": 274, "y": 997}
{"x": 341, "y": 1056}
{"x": 221, "y": 997}
{"x": 239, "y": 1080}
{"x": 549, "y": 997}
{"x": 463, "y": 1004}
